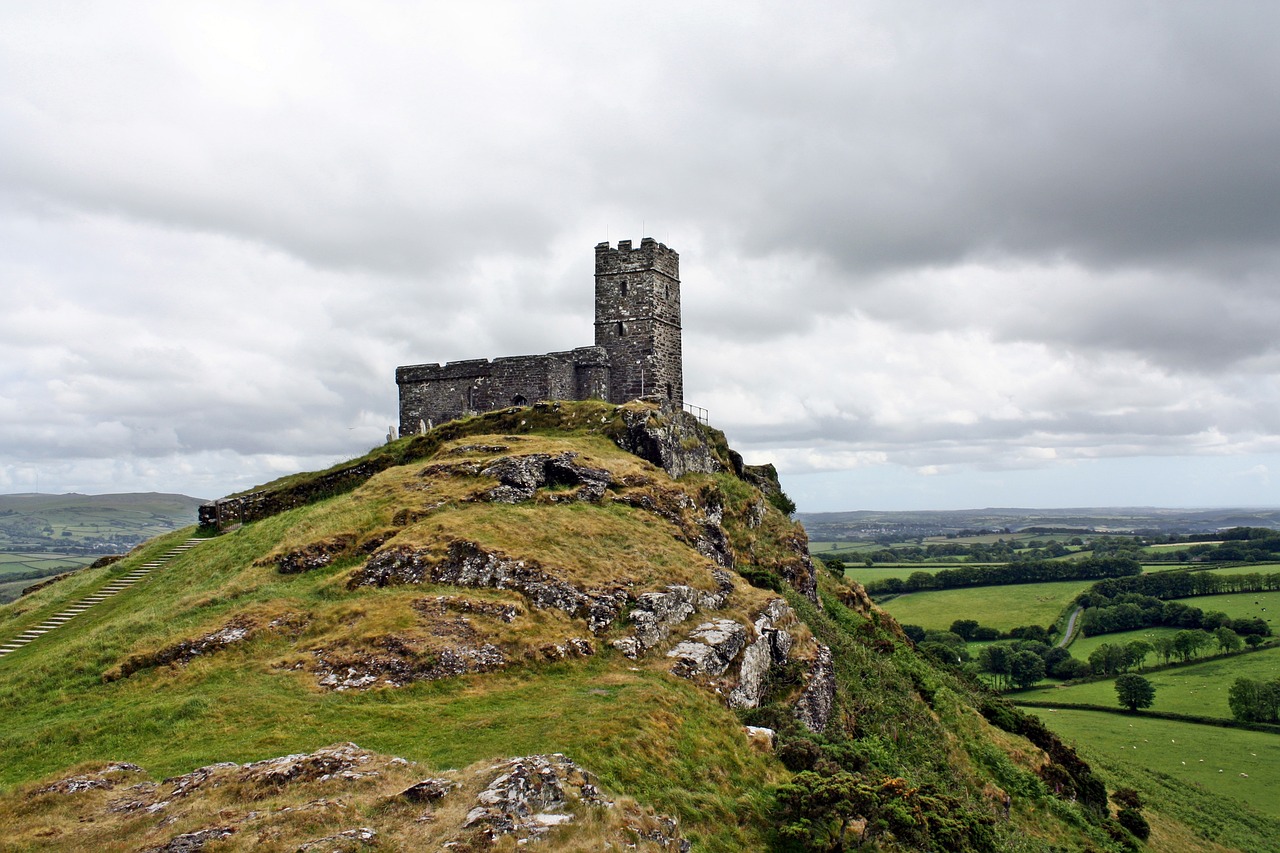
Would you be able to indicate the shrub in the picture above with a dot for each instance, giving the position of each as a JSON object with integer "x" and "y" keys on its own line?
{"x": 1132, "y": 820}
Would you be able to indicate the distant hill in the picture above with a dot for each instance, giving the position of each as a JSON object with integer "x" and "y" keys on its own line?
{"x": 871, "y": 524}
{"x": 43, "y": 535}
{"x": 355, "y": 658}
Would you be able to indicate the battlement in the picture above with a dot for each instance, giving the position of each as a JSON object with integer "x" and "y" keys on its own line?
{"x": 649, "y": 255}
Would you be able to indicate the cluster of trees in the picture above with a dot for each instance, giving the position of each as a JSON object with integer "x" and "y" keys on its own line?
{"x": 1255, "y": 701}
{"x": 1129, "y": 611}
{"x": 1020, "y": 571}
{"x": 1180, "y": 584}
{"x": 1024, "y": 662}
{"x": 1109, "y": 659}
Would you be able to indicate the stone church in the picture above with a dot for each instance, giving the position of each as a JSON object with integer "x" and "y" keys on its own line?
{"x": 636, "y": 352}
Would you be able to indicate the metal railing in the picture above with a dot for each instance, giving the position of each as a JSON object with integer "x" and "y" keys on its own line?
{"x": 703, "y": 416}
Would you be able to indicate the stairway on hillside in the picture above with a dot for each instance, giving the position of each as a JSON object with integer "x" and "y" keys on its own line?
{"x": 74, "y": 610}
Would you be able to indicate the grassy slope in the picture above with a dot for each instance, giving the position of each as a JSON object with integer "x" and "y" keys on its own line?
{"x": 647, "y": 734}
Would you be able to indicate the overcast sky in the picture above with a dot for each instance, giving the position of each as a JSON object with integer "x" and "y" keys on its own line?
{"x": 934, "y": 255}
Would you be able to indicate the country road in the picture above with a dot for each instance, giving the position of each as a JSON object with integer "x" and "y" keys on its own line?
{"x": 1071, "y": 626}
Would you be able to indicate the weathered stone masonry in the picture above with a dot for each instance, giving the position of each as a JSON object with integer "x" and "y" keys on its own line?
{"x": 637, "y": 350}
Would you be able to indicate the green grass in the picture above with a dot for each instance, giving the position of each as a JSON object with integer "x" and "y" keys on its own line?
{"x": 1199, "y": 689}
{"x": 1000, "y": 607}
{"x": 1241, "y": 605}
{"x": 1206, "y": 756}
{"x": 1082, "y": 647}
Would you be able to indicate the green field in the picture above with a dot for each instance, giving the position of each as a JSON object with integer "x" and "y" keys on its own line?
{"x": 1199, "y": 689}
{"x": 1212, "y": 757}
{"x": 1084, "y": 646}
{"x": 1240, "y": 605}
{"x": 1000, "y": 607}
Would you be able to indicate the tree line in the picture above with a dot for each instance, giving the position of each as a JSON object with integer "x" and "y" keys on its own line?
{"x": 1018, "y": 572}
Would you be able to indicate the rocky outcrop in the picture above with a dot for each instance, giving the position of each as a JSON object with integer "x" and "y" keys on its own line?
{"x": 348, "y": 839}
{"x": 813, "y": 709}
{"x": 396, "y": 664}
{"x": 108, "y": 777}
{"x": 192, "y": 842}
{"x": 183, "y": 652}
{"x": 735, "y": 658}
{"x": 344, "y": 798}
{"x": 520, "y": 477}
{"x": 530, "y": 796}
{"x": 467, "y": 564}
{"x": 771, "y": 647}
{"x": 668, "y": 437}
{"x": 710, "y": 649}
{"x": 656, "y": 613}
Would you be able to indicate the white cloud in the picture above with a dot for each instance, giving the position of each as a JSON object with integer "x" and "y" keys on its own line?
{"x": 938, "y": 243}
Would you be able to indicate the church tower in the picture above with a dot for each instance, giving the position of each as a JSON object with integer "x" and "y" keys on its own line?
{"x": 638, "y": 320}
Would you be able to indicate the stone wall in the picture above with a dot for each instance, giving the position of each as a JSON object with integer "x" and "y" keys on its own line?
{"x": 432, "y": 394}
{"x": 637, "y": 352}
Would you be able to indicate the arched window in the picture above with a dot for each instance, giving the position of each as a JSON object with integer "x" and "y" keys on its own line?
{"x": 622, "y": 330}
{"x": 622, "y": 288}
{"x": 519, "y": 400}
{"x": 669, "y": 397}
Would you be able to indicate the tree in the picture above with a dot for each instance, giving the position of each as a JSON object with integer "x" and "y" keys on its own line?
{"x": 964, "y": 627}
{"x": 1026, "y": 668}
{"x": 1136, "y": 652}
{"x": 1189, "y": 643}
{"x": 995, "y": 660}
{"x": 1164, "y": 647}
{"x": 1228, "y": 640}
{"x": 1134, "y": 692}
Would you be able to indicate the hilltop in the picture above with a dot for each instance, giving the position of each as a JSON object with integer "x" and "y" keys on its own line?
{"x": 583, "y": 622}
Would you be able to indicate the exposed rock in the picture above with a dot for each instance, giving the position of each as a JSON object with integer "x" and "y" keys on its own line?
{"x": 442, "y": 604}
{"x": 486, "y": 449}
{"x": 521, "y": 476}
{"x": 655, "y": 613}
{"x": 756, "y": 513}
{"x": 236, "y": 631}
{"x": 467, "y": 564}
{"x": 760, "y": 737}
{"x": 399, "y": 665}
{"x": 108, "y": 777}
{"x": 799, "y": 571}
{"x": 574, "y": 647}
{"x": 313, "y": 556}
{"x": 711, "y": 541}
{"x": 350, "y": 839}
{"x": 531, "y": 795}
{"x": 341, "y": 760}
{"x": 813, "y": 708}
{"x": 772, "y": 646}
{"x": 344, "y": 761}
{"x": 710, "y": 649}
{"x": 191, "y": 842}
{"x": 668, "y": 437}
{"x": 428, "y": 790}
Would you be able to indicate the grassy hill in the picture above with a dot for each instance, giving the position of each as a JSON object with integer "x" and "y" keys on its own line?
{"x": 357, "y": 664}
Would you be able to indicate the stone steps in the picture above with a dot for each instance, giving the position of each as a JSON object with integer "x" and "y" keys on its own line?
{"x": 73, "y": 610}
